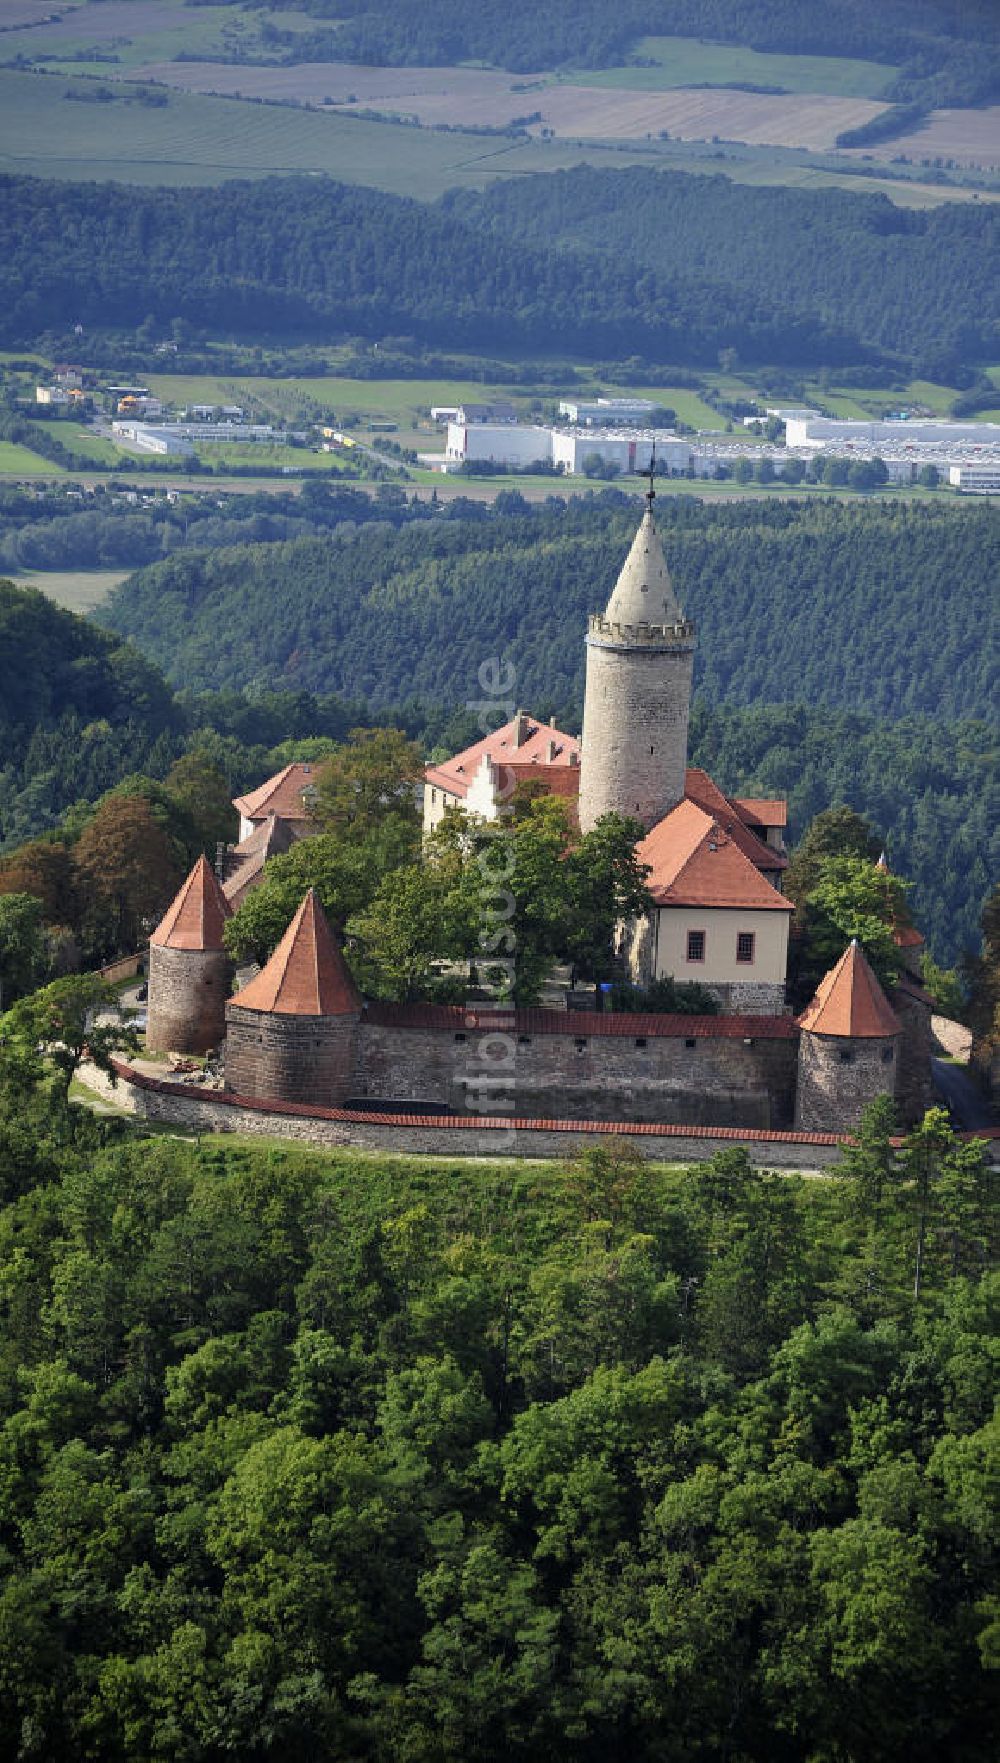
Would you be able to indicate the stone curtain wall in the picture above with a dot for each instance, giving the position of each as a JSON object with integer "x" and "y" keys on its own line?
{"x": 188, "y": 989}
{"x": 294, "y": 1058}
{"x": 833, "y": 1091}
{"x": 127, "y": 968}
{"x": 204, "y": 1111}
{"x": 914, "y": 1085}
{"x": 732, "y": 1082}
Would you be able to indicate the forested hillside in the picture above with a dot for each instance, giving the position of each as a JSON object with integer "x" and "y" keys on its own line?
{"x": 883, "y": 607}
{"x": 949, "y": 51}
{"x": 882, "y": 273}
{"x": 53, "y": 664}
{"x": 335, "y": 1457}
{"x": 696, "y": 265}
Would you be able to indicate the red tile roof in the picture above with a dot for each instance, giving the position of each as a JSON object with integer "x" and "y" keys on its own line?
{"x": 247, "y": 859}
{"x": 849, "y": 1002}
{"x": 702, "y": 789}
{"x": 694, "y": 862}
{"x": 527, "y": 757}
{"x": 762, "y": 810}
{"x": 907, "y": 936}
{"x": 483, "y": 1018}
{"x": 197, "y": 916}
{"x": 307, "y": 974}
{"x": 280, "y": 794}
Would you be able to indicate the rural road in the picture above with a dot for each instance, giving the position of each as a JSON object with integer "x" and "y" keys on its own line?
{"x": 962, "y": 1095}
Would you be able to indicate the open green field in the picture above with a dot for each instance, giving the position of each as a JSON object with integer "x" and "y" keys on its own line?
{"x": 275, "y": 459}
{"x": 18, "y": 461}
{"x": 203, "y": 140}
{"x": 406, "y": 402}
{"x": 79, "y": 590}
{"x": 686, "y": 61}
{"x": 94, "y": 447}
{"x": 108, "y": 35}
{"x": 193, "y": 140}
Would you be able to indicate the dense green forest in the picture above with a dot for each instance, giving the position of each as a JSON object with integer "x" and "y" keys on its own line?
{"x": 948, "y": 50}
{"x": 843, "y": 279}
{"x": 884, "y": 607}
{"x": 337, "y": 1456}
{"x": 879, "y": 272}
{"x": 56, "y": 527}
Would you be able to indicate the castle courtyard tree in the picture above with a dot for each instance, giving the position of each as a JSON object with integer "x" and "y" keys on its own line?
{"x": 851, "y": 898}
{"x": 605, "y": 884}
{"x": 343, "y": 873}
{"x": 369, "y": 779}
{"x": 835, "y": 832}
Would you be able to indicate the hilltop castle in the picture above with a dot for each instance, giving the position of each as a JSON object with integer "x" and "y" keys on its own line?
{"x": 299, "y": 1033}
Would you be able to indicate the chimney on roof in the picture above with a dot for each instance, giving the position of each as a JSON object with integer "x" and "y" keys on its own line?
{"x": 574, "y": 757}
{"x": 552, "y": 722}
{"x": 522, "y": 728}
{"x": 551, "y": 749}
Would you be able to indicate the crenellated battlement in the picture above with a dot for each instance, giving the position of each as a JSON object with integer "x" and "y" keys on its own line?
{"x": 680, "y": 635}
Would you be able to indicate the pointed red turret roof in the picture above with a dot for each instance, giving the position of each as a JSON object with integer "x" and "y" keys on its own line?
{"x": 307, "y": 974}
{"x": 850, "y": 1002}
{"x": 198, "y": 914}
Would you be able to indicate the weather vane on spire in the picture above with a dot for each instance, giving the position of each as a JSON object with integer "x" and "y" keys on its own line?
{"x": 650, "y": 472}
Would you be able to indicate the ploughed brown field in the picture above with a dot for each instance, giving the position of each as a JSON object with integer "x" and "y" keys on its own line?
{"x": 468, "y": 96}
{"x": 971, "y": 137}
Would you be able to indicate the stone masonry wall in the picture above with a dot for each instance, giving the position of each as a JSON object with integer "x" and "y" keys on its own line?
{"x": 742, "y": 998}
{"x": 833, "y": 1092}
{"x": 708, "y": 1081}
{"x": 291, "y": 1058}
{"x": 188, "y": 989}
{"x": 204, "y": 1111}
{"x": 914, "y": 1084}
{"x": 215, "y": 1112}
{"x": 635, "y": 731}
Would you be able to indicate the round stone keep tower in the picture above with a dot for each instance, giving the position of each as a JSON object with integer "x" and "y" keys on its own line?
{"x": 292, "y": 1033}
{"x": 848, "y": 1049}
{"x": 640, "y": 655}
{"x": 190, "y": 974}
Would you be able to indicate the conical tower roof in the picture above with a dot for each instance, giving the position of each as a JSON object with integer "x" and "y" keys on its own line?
{"x": 644, "y": 593}
{"x": 198, "y": 914}
{"x": 307, "y": 974}
{"x": 850, "y": 1002}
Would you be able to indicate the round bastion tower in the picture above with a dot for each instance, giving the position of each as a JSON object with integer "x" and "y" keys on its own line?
{"x": 848, "y": 1047}
{"x": 190, "y": 974}
{"x": 292, "y": 1032}
{"x": 640, "y": 656}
